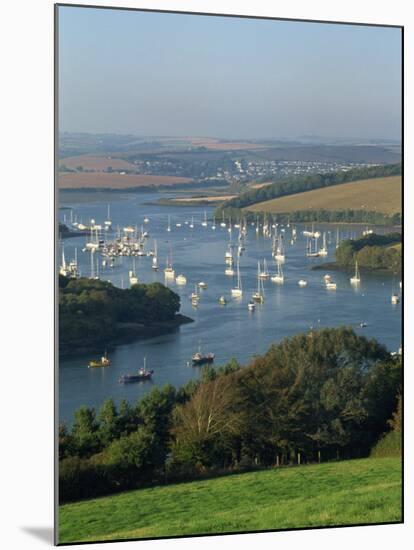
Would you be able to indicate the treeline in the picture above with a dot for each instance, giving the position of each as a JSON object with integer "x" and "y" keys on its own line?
{"x": 299, "y": 184}
{"x": 90, "y": 310}
{"x": 322, "y": 395}
{"x": 334, "y": 216}
{"x": 374, "y": 252}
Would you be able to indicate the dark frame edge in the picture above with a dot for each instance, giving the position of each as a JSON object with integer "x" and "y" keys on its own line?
{"x": 232, "y": 15}
{"x": 56, "y": 276}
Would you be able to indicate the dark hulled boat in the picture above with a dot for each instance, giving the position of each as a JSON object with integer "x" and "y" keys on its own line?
{"x": 142, "y": 375}
{"x": 200, "y": 359}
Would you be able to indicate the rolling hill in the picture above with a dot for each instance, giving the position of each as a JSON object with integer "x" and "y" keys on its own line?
{"x": 103, "y": 180}
{"x": 376, "y": 194}
{"x": 362, "y": 491}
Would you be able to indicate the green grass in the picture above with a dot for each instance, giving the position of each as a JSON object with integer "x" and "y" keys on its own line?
{"x": 335, "y": 493}
{"x": 378, "y": 194}
{"x": 389, "y": 445}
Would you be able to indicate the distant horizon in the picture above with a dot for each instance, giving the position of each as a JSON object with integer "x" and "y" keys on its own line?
{"x": 175, "y": 74}
{"x": 232, "y": 138}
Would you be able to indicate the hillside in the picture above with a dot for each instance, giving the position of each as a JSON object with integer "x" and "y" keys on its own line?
{"x": 378, "y": 194}
{"x": 335, "y": 493}
{"x": 105, "y": 180}
{"x": 96, "y": 163}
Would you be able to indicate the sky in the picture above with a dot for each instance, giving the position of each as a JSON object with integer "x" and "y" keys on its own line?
{"x": 156, "y": 74}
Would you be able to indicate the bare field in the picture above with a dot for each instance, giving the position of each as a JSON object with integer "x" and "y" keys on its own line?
{"x": 217, "y": 198}
{"x": 259, "y": 185}
{"x": 96, "y": 180}
{"x": 379, "y": 194}
{"x": 95, "y": 162}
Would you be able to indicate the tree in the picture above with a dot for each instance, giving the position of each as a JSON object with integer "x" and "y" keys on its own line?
{"x": 66, "y": 443}
{"x": 155, "y": 411}
{"x": 108, "y": 422}
{"x": 203, "y": 425}
{"x": 132, "y": 457}
{"x": 85, "y": 432}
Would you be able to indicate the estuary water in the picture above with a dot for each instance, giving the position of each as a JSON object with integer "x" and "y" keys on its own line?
{"x": 227, "y": 331}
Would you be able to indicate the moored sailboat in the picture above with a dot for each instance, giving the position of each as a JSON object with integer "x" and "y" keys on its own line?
{"x": 169, "y": 271}
{"x": 154, "y": 265}
{"x": 278, "y": 277}
{"x": 356, "y": 279}
{"x": 258, "y": 296}
{"x": 324, "y": 250}
{"x": 133, "y": 279}
{"x": 237, "y": 292}
{"x": 264, "y": 273}
{"x": 181, "y": 280}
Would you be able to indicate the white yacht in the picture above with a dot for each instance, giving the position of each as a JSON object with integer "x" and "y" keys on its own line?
{"x": 356, "y": 279}
{"x": 181, "y": 280}
{"x": 324, "y": 250}
{"x": 278, "y": 277}
{"x": 264, "y": 274}
{"x": 237, "y": 292}
{"x": 258, "y": 296}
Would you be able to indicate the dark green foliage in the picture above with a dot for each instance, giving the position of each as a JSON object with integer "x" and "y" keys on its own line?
{"x": 322, "y": 395}
{"x": 372, "y": 252}
{"x": 90, "y": 310}
{"x": 85, "y": 432}
{"x": 120, "y": 449}
{"x": 155, "y": 411}
{"x": 298, "y": 184}
{"x": 108, "y": 422}
{"x": 306, "y": 394}
{"x": 66, "y": 444}
{"x": 325, "y": 216}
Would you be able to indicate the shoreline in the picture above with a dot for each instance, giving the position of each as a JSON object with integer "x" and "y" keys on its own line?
{"x": 127, "y": 333}
{"x": 183, "y": 203}
{"x": 333, "y": 266}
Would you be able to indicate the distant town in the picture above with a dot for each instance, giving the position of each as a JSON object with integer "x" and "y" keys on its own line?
{"x": 211, "y": 161}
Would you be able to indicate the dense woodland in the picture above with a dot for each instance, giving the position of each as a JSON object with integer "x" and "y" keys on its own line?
{"x": 299, "y": 184}
{"x": 373, "y": 252}
{"x": 90, "y": 310}
{"x": 317, "y": 396}
{"x": 324, "y": 216}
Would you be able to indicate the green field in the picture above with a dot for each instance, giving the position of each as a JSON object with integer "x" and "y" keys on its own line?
{"x": 376, "y": 194}
{"x": 334, "y": 493}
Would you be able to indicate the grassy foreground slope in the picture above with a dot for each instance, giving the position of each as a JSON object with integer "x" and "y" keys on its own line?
{"x": 334, "y": 493}
{"x": 377, "y": 194}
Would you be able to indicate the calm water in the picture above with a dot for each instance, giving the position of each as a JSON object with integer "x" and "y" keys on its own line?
{"x": 228, "y": 331}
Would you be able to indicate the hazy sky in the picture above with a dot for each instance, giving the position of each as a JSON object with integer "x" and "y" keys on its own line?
{"x": 169, "y": 74}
